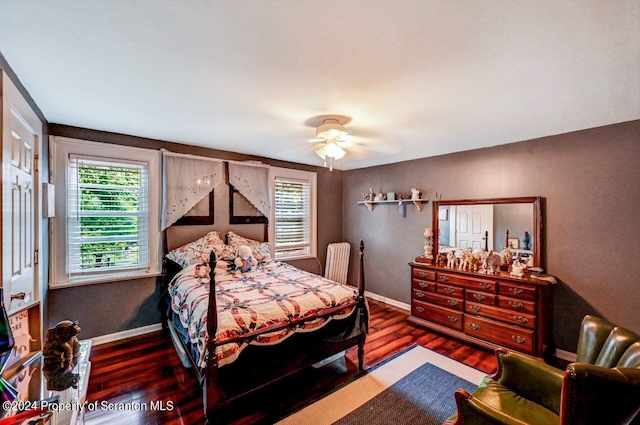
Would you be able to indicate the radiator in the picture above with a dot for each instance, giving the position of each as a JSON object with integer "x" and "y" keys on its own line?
{"x": 337, "y": 267}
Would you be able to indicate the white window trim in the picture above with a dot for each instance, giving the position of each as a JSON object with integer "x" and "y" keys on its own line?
{"x": 312, "y": 177}
{"x": 59, "y": 150}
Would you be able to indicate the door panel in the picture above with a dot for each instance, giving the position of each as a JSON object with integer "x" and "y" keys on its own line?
{"x": 472, "y": 221}
{"x": 21, "y": 139}
{"x": 22, "y": 213}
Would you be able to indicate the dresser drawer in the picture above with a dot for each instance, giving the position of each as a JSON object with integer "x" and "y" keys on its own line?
{"x": 524, "y": 320}
{"x": 423, "y": 274}
{"x": 440, "y": 315}
{"x": 417, "y": 294}
{"x": 520, "y": 306}
{"x": 445, "y": 301}
{"x": 480, "y": 297}
{"x": 524, "y": 292}
{"x": 489, "y": 285}
{"x": 423, "y": 285}
{"x": 509, "y": 336}
{"x": 452, "y": 291}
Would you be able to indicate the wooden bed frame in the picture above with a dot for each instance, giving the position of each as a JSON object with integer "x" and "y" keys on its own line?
{"x": 259, "y": 366}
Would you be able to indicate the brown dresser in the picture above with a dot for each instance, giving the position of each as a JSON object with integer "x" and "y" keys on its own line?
{"x": 490, "y": 310}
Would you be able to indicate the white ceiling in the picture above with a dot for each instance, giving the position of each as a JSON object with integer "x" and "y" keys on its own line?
{"x": 418, "y": 78}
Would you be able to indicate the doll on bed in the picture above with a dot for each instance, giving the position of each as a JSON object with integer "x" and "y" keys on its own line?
{"x": 244, "y": 260}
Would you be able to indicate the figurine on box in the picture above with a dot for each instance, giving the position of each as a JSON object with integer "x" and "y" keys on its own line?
{"x": 61, "y": 342}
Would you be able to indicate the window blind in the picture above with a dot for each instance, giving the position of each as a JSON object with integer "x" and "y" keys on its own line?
{"x": 292, "y": 217}
{"x": 108, "y": 215}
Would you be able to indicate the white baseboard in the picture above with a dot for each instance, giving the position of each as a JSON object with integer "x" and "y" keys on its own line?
{"x": 386, "y": 300}
{"x": 103, "y": 339}
{"x": 566, "y": 355}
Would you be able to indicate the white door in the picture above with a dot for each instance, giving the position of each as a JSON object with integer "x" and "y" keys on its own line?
{"x": 472, "y": 221}
{"x": 21, "y": 135}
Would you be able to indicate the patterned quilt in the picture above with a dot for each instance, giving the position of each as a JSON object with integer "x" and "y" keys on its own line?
{"x": 263, "y": 306}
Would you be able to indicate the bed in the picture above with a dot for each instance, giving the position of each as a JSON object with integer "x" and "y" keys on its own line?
{"x": 270, "y": 322}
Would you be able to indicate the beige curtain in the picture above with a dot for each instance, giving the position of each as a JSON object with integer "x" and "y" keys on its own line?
{"x": 186, "y": 179}
{"x": 252, "y": 181}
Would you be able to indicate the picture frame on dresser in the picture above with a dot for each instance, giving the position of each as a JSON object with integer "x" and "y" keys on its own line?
{"x": 491, "y": 310}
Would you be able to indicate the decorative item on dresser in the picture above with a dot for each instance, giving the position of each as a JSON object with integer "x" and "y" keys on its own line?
{"x": 490, "y": 309}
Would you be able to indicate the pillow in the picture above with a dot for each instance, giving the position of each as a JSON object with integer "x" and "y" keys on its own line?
{"x": 199, "y": 250}
{"x": 261, "y": 250}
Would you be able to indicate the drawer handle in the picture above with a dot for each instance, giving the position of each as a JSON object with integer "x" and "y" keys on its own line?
{"x": 423, "y": 285}
{"x": 474, "y": 326}
{"x": 475, "y": 308}
{"x": 479, "y": 297}
{"x": 419, "y": 294}
{"x": 452, "y": 303}
{"x": 18, "y": 296}
{"x": 422, "y": 274}
{"x": 518, "y": 339}
{"x": 516, "y": 291}
{"x": 444, "y": 278}
{"x": 448, "y": 290}
{"x": 452, "y": 319}
{"x": 515, "y": 304}
{"x": 485, "y": 285}
{"x": 420, "y": 309}
{"x": 520, "y": 319}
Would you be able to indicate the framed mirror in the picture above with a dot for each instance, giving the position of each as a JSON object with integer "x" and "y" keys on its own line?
{"x": 490, "y": 224}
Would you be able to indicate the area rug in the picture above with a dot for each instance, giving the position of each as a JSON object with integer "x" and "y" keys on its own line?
{"x": 416, "y": 386}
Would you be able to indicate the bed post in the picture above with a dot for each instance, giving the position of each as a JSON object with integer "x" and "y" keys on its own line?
{"x": 211, "y": 390}
{"x": 363, "y": 307}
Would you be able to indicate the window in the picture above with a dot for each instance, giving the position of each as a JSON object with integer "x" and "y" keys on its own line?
{"x": 294, "y": 213}
{"x": 106, "y": 212}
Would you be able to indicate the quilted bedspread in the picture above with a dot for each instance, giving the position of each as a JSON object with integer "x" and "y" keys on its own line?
{"x": 263, "y": 306}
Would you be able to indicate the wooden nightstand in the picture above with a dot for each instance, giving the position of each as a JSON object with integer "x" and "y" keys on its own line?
{"x": 36, "y": 388}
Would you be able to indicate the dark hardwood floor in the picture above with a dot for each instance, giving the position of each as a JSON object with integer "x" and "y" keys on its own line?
{"x": 146, "y": 369}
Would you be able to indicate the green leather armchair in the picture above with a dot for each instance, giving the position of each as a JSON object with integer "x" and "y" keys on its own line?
{"x": 602, "y": 387}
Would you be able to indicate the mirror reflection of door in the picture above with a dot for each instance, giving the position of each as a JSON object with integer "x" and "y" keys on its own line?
{"x": 472, "y": 221}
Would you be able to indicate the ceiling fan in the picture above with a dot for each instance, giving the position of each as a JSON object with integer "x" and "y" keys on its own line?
{"x": 329, "y": 135}
{"x": 333, "y": 141}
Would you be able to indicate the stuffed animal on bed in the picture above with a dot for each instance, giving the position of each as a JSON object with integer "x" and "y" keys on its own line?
{"x": 245, "y": 261}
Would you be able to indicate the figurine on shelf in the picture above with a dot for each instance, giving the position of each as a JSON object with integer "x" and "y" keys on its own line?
{"x": 465, "y": 258}
{"x": 451, "y": 260}
{"x": 381, "y": 197}
{"x": 441, "y": 259}
{"x": 505, "y": 256}
{"x": 415, "y": 194}
{"x": 61, "y": 342}
{"x": 490, "y": 261}
{"x": 526, "y": 241}
{"x": 428, "y": 243}
{"x": 517, "y": 269}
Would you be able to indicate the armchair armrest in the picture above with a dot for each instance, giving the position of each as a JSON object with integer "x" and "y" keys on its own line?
{"x": 596, "y": 395}
{"x": 531, "y": 378}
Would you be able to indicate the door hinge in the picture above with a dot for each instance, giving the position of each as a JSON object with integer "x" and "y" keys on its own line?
{"x": 36, "y": 163}
{"x": 36, "y": 257}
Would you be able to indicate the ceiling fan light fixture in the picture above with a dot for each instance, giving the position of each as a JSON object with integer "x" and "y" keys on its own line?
{"x": 332, "y": 150}
{"x": 331, "y": 129}
{"x": 329, "y": 133}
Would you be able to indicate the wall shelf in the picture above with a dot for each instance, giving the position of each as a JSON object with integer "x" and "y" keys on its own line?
{"x": 400, "y": 202}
